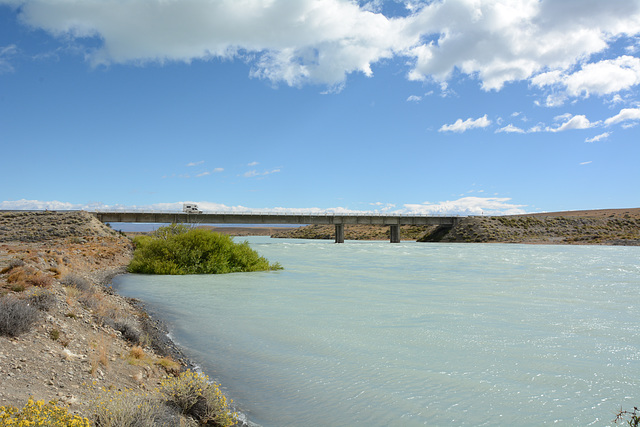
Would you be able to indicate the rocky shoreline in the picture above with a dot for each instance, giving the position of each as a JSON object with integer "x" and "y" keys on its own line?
{"x": 86, "y": 338}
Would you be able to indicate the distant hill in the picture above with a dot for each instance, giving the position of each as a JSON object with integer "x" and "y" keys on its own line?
{"x": 603, "y": 226}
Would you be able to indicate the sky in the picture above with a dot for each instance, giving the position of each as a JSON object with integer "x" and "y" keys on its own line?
{"x": 451, "y": 107}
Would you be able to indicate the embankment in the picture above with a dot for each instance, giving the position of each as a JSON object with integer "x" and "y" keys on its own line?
{"x": 83, "y": 336}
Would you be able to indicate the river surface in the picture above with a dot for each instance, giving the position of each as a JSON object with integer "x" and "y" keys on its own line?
{"x": 380, "y": 334}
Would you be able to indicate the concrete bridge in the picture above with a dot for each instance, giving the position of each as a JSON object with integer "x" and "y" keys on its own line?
{"x": 339, "y": 220}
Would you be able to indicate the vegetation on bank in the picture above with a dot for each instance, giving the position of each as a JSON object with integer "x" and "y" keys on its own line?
{"x": 179, "y": 249}
{"x": 186, "y": 399}
{"x": 38, "y": 413}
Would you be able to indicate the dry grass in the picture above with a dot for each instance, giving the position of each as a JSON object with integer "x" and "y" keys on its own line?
{"x": 100, "y": 355}
{"x": 40, "y": 280}
{"x": 137, "y": 352}
{"x": 169, "y": 365}
{"x": 114, "y": 408}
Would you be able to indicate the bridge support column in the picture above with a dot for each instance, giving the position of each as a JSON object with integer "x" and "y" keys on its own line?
{"x": 339, "y": 233}
{"x": 395, "y": 233}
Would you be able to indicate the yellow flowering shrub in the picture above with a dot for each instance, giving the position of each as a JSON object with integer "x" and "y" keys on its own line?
{"x": 38, "y": 413}
{"x": 196, "y": 396}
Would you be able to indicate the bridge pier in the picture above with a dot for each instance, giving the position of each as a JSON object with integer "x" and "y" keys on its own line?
{"x": 395, "y": 233}
{"x": 339, "y": 233}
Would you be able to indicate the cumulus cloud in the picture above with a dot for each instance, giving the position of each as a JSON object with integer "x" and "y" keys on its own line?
{"x": 625, "y": 115}
{"x": 598, "y": 137}
{"x": 600, "y": 78}
{"x": 510, "y": 129}
{"x": 575, "y": 122}
{"x": 323, "y": 41}
{"x": 463, "y": 206}
{"x": 467, "y": 206}
{"x": 462, "y": 126}
{"x": 414, "y": 98}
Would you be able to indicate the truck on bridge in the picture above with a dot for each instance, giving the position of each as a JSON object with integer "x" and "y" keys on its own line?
{"x": 190, "y": 208}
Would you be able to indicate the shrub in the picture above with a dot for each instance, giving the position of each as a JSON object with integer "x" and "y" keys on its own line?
{"x": 128, "y": 328}
{"x": 15, "y": 262}
{"x": 198, "y": 398}
{"x": 634, "y": 417}
{"x": 16, "y": 316}
{"x": 127, "y": 408}
{"x": 177, "y": 249}
{"x": 40, "y": 414}
{"x": 18, "y": 287}
{"x": 40, "y": 280}
{"x": 78, "y": 282}
{"x": 42, "y": 299}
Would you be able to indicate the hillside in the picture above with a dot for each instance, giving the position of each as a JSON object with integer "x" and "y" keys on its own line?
{"x": 64, "y": 335}
{"x": 541, "y": 229}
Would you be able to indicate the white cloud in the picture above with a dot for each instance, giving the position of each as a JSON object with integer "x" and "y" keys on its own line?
{"x": 323, "y": 41}
{"x": 510, "y": 129}
{"x": 462, "y": 126}
{"x": 586, "y": 163}
{"x": 218, "y": 170}
{"x": 203, "y": 174}
{"x": 600, "y": 78}
{"x": 626, "y": 114}
{"x": 414, "y": 98}
{"x": 253, "y": 164}
{"x": 467, "y": 206}
{"x": 195, "y": 163}
{"x": 254, "y": 173}
{"x": 6, "y": 52}
{"x": 598, "y": 137}
{"x": 575, "y": 122}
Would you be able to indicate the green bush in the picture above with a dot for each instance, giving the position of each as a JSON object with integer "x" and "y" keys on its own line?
{"x": 178, "y": 249}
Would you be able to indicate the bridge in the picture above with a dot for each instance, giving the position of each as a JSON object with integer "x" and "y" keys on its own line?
{"x": 339, "y": 220}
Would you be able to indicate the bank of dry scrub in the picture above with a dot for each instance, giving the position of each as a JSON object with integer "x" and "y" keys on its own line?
{"x": 535, "y": 229}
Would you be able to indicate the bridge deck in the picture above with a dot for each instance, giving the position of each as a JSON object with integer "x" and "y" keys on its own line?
{"x": 339, "y": 220}
{"x": 271, "y": 218}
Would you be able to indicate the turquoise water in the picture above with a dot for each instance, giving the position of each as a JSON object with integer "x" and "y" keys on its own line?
{"x": 382, "y": 334}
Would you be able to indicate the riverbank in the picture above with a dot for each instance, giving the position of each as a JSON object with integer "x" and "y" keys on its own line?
{"x": 601, "y": 227}
{"x": 85, "y": 337}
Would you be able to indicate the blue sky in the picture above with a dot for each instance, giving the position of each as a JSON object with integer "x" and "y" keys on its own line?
{"x": 439, "y": 107}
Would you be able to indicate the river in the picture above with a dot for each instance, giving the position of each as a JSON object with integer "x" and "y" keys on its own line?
{"x": 380, "y": 334}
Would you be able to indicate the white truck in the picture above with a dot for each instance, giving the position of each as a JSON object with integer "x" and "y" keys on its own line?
{"x": 190, "y": 208}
